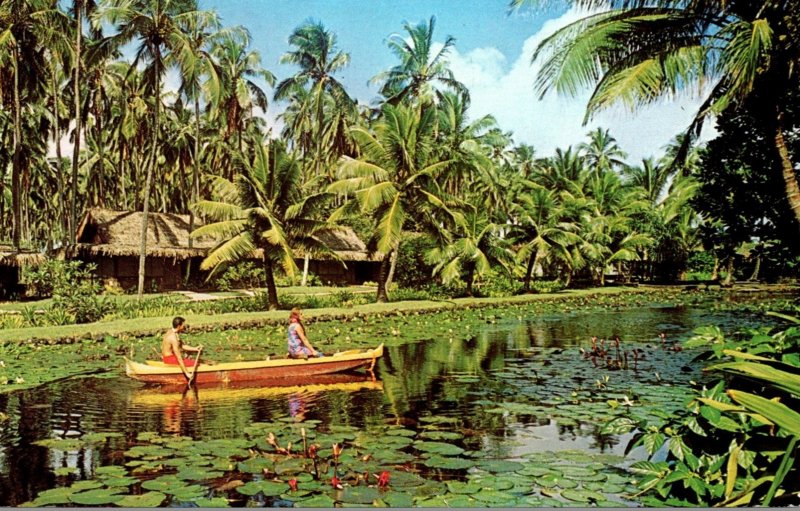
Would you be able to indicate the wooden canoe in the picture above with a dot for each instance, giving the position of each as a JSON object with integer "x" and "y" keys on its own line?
{"x": 273, "y": 369}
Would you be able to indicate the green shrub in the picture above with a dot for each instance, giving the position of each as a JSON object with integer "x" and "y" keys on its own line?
{"x": 546, "y": 286}
{"x": 500, "y": 285}
{"x": 244, "y": 275}
{"x": 735, "y": 444}
{"x": 411, "y": 270}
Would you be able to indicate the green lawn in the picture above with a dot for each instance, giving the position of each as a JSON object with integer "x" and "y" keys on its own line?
{"x": 154, "y": 325}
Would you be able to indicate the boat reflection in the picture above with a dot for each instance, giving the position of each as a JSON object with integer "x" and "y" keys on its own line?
{"x": 165, "y": 395}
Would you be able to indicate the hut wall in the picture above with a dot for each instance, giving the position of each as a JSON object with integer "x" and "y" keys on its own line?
{"x": 9, "y": 282}
{"x": 160, "y": 274}
{"x": 357, "y": 272}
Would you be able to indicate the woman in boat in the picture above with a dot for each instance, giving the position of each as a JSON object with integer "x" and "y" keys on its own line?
{"x": 298, "y": 343}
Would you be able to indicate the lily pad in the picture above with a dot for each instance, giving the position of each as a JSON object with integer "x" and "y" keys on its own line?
{"x": 449, "y": 500}
{"x": 290, "y": 466}
{"x": 189, "y": 493}
{"x": 319, "y": 501}
{"x": 149, "y": 499}
{"x": 450, "y": 463}
{"x": 441, "y": 448}
{"x": 213, "y": 502}
{"x": 111, "y": 470}
{"x": 494, "y": 497}
{"x": 465, "y": 488}
{"x": 360, "y": 495}
{"x": 54, "y": 496}
{"x": 498, "y": 466}
{"x": 163, "y": 483}
{"x": 61, "y": 444}
{"x": 65, "y": 471}
{"x": 96, "y": 497}
{"x": 198, "y": 474}
{"x": 272, "y": 488}
{"x": 86, "y": 485}
{"x": 396, "y": 499}
{"x": 441, "y": 435}
{"x": 583, "y": 495}
{"x": 255, "y": 465}
{"x": 120, "y": 482}
{"x": 250, "y": 488}
{"x": 400, "y": 432}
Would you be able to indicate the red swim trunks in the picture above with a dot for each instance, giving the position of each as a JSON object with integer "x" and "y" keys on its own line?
{"x": 173, "y": 360}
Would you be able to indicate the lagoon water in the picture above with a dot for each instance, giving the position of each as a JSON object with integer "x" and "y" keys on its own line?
{"x": 511, "y": 389}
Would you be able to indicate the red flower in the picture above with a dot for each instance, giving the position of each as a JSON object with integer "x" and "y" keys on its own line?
{"x": 383, "y": 480}
{"x": 336, "y": 483}
{"x": 293, "y": 484}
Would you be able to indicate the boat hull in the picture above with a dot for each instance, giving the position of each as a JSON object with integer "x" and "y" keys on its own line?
{"x": 158, "y": 372}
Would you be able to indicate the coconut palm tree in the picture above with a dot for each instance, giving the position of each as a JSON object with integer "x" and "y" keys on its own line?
{"x": 420, "y": 70}
{"x": 240, "y": 73}
{"x": 198, "y": 75}
{"x": 602, "y": 151}
{"x": 315, "y": 52}
{"x": 637, "y": 52}
{"x": 475, "y": 248}
{"x": 264, "y": 209}
{"x": 395, "y": 180}
{"x": 20, "y": 47}
{"x": 151, "y": 23}
{"x": 539, "y": 227}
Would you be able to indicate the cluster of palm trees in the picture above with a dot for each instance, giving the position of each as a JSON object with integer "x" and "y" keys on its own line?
{"x": 415, "y": 161}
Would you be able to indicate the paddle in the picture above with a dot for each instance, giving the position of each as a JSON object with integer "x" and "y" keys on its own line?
{"x": 196, "y": 364}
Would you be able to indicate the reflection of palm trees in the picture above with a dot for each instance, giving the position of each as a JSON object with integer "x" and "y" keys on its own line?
{"x": 601, "y": 441}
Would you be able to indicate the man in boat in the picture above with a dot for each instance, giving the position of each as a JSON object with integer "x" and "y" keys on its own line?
{"x": 298, "y": 344}
{"x": 172, "y": 348}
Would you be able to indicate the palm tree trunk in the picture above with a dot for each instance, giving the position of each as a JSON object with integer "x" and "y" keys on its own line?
{"x": 272, "y": 290}
{"x": 715, "y": 270}
{"x": 306, "y": 259}
{"x": 754, "y": 276}
{"x": 470, "y": 280}
{"x": 77, "y": 147}
{"x": 789, "y": 177}
{"x": 729, "y": 277}
{"x": 148, "y": 182}
{"x": 392, "y": 267}
{"x": 16, "y": 203}
{"x": 62, "y": 199}
{"x": 529, "y": 270}
{"x": 383, "y": 275}
{"x": 196, "y": 174}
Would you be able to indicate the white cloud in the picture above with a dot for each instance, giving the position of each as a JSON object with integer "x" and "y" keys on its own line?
{"x": 556, "y": 121}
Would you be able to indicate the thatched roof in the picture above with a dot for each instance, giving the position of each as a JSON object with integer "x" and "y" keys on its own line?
{"x": 11, "y": 257}
{"x": 117, "y": 233}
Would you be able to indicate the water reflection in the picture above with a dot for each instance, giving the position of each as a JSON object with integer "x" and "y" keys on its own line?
{"x": 477, "y": 379}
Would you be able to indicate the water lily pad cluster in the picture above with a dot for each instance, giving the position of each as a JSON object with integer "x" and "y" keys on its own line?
{"x": 307, "y": 464}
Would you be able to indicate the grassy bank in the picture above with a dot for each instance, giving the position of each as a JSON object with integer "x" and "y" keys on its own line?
{"x": 142, "y": 327}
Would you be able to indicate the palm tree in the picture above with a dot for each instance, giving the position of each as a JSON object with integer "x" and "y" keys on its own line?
{"x": 636, "y": 52}
{"x": 152, "y": 24}
{"x": 419, "y": 69}
{"x": 239, "y": 71}
{"x": 650, "y": 176}
{"x": 316, "y": 54}
{"x": 395, "y": 180}
{"x": 79, "y": 8}
{"x": 20, "y": 36}
{"x": 265, "y": 209}
{"x": 198, "y": 74}
{"x": 539, "y": 226}
{"x": 474, "y": 250}
{"x": 602, "y": 151}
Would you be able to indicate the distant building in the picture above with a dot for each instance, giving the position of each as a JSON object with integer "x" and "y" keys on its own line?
{"x": 110, "y": 239}
{"x": 11, "y": 264}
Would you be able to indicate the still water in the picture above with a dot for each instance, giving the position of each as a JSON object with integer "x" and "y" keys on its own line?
{"x": 514, "y": 388}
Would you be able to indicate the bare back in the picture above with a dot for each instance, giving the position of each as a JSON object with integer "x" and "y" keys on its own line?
{"x": 171, "y": 344}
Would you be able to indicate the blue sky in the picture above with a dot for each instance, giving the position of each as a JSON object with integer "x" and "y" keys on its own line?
{"x": 492, "y": 57}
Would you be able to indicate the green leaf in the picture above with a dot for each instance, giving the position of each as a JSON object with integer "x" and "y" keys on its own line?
{"x": 148, "y": 499}
{"x": 777, "y": 412}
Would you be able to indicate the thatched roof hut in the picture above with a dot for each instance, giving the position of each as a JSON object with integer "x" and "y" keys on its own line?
{"x": 19, "y": 259}
{"x": 117, "y": 233}
{"x": 110, "y": 239}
